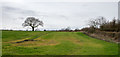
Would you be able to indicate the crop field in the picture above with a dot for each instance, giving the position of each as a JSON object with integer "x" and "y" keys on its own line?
{"x": 54, "y": 43}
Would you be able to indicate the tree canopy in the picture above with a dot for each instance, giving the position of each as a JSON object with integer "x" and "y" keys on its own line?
{"x": 32, "y": 22}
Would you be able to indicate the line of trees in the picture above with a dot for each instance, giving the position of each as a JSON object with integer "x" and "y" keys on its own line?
{"x": 103, "y": 29}
{"x": 102, "y": 24}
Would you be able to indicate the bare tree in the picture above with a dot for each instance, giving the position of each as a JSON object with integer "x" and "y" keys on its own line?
{"x": 101, "y": 21}
{"x": 32, "y": 22}
{"x": 97, "y": 22}
{"x": 93, "y": 23}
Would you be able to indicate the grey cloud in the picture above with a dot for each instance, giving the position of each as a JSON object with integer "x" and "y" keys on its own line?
{"x": 7, "y": 9}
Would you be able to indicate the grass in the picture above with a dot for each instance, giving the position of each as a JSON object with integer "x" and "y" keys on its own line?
{"x": 55, "y": 43}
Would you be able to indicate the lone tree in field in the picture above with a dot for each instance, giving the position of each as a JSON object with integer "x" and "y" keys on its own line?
{"x": 32, "y": 22}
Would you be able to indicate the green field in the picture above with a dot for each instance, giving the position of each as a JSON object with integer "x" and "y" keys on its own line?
{"x": 54, "y": 43}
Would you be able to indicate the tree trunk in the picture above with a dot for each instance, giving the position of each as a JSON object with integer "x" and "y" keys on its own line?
{"x": 32, "y": 28}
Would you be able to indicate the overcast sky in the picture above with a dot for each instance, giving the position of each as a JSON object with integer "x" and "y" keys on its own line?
{"x": 56, "y": 15}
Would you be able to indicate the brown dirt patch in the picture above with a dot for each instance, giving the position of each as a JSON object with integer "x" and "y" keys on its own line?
{"x": 37, "y": 43}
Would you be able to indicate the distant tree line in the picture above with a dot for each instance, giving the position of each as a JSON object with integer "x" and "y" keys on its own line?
{"x": 113, "y": 26}
{"x": 102, "y": 24}
{"x": 68, "y": 29}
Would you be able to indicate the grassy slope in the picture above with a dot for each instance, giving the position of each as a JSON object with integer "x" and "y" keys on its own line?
{"x": 56, "y": 43}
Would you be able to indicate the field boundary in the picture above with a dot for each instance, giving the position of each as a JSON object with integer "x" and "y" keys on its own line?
{"x": 93, "y": 36}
